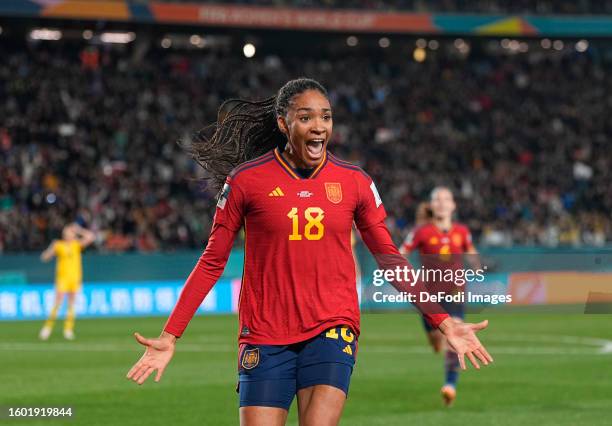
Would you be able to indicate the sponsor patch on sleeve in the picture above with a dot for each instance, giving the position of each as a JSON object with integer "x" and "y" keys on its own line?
{"x": 376, "y": 195}
{"x": 409, "y": 239}
{"x": 223, "y": 197}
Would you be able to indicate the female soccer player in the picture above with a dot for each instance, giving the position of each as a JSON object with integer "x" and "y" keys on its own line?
{"x": 68, "y": 274}
{"x": 442, "y": 244}
{"x": 298, "y": 309}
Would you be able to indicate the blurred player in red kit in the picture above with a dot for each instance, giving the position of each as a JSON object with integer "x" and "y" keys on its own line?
{"x": 442, "y": 245}
{"x": 298, "y": 310}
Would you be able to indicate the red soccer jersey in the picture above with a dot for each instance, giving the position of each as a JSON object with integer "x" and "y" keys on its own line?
{"x": 428, "y": 239}
{"x": 299, "y": 272}
{"x": 440, "y": 249}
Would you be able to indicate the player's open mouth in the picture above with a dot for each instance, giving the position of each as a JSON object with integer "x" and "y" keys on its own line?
{"x": 315, "y": 147}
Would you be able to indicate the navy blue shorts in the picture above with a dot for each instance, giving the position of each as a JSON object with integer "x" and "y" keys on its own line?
{"x": 271, "y": 375}
{"x": 456, "y": 310}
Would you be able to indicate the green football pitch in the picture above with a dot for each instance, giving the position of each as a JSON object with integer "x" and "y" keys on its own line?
{"x": 549, "y": 370}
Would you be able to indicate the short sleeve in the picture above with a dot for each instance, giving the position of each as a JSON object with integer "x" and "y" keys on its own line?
{"x": 370, "y": 209}
{"x": 230, "y": 205}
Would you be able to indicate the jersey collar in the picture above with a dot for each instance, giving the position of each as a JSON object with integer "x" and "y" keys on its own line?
{"x": 441, "y": 231}
{"x": 291, "y": 171}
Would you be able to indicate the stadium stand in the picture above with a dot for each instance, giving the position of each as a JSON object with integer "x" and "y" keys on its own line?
{"x": 90, "y": 133}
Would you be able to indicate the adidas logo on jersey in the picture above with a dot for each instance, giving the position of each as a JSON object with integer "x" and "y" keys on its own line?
{"x": 277, "y": 192}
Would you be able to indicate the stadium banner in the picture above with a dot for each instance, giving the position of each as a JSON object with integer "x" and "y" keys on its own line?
{"x": 558, "y": 288}
{"x": 543, "y": 292}
{"x": 117, "y": 299}
{"x": 114, "y": 267}
{"x": 544, "y": 282}
{"x": 588, "y": 292}
{"x": 544, "y": 279}
{"x": 310, "y": 19}
{"x": 294, "y": 19}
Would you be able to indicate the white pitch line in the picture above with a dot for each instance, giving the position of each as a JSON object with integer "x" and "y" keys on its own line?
{"x": 408, "y": 349}
{"x": 495, "y": 350}
{"x": 103, "y": 347}
{"x": 577, "y": 340}
{"x": 607, "y": 348}
{"x": 530, "y": 338}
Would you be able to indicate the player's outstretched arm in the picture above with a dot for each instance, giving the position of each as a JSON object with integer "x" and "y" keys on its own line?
{"x": 205, "y": 274}
{"x": 228, "y": 220}
{"x": 158, "y": 353}
{"x": 461, "y": 337}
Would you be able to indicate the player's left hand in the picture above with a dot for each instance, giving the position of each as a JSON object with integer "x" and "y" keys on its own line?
{"x": 158, "y": 354}
{"x": 461, "y": 338}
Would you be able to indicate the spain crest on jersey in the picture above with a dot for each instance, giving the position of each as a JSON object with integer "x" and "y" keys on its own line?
{"x": 250, "y": 358}
{"x": 333, "y": 191}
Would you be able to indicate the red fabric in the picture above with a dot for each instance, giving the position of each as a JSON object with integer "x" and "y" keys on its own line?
{"x": 440, "y": 250}
{"x": 379, "y": 242}
{"x": 431, "y": 240}
{"x": 299, "y": 272}
{"x": 205, "y": 274}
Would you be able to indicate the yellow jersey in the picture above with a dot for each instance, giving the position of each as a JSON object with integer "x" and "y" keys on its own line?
{"x": 68, "y": 270}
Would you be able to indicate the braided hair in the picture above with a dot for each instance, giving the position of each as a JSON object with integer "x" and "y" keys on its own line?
{"x": 245, "y": 130}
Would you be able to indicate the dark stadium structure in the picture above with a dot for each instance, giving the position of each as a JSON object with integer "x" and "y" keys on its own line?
{"x": 463, "y": 6}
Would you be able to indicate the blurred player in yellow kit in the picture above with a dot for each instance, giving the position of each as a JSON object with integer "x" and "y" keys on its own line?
{"x": 68, "y": 274}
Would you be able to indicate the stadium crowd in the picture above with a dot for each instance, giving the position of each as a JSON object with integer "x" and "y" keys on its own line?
{"x": 92, "y": 135}
{"x": 431, "y": 6}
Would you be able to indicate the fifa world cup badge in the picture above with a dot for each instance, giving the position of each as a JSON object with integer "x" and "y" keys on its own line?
{"x": 250, "y": 358}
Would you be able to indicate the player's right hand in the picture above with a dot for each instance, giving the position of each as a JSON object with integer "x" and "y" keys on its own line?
{"x": 158, "y": 354}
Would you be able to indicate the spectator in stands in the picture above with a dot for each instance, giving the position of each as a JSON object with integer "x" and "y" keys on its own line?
{"x": 522, "y": 139}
